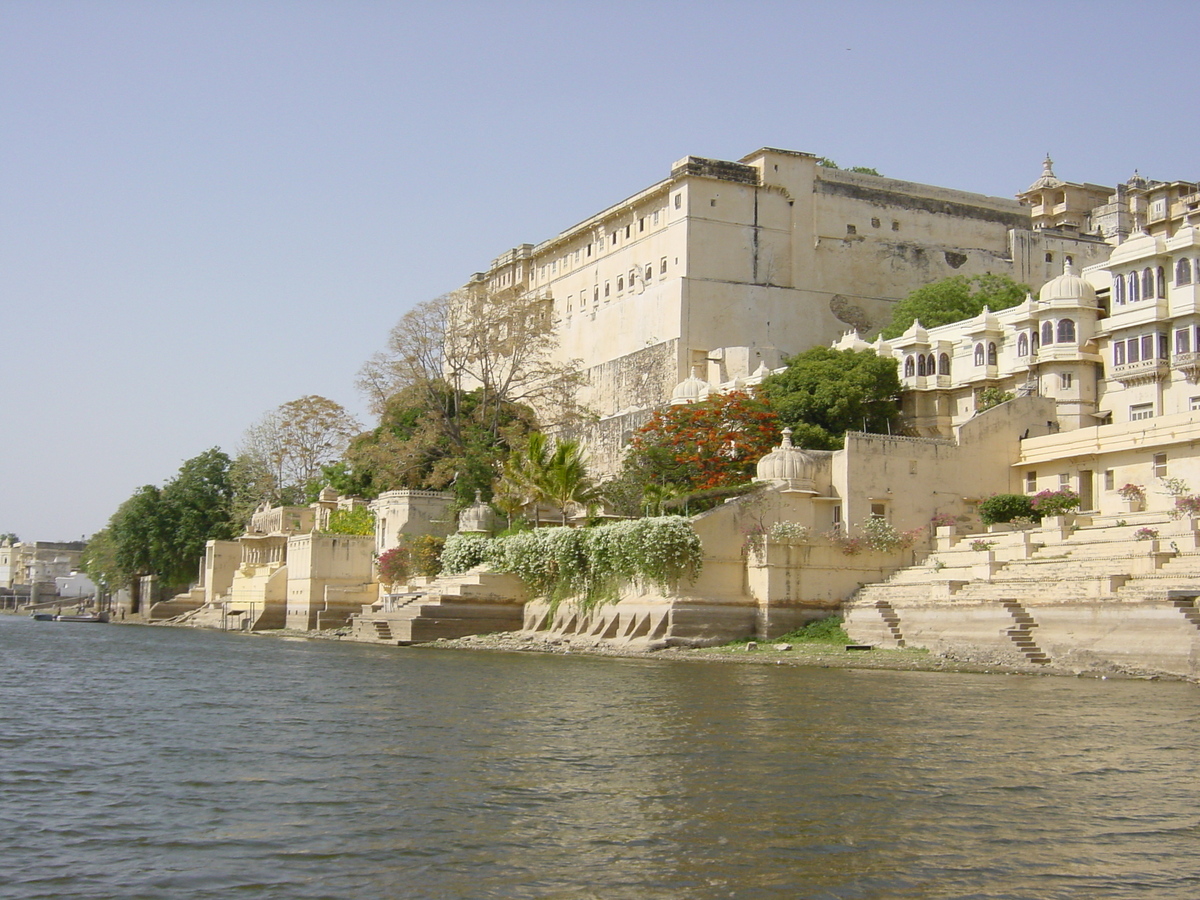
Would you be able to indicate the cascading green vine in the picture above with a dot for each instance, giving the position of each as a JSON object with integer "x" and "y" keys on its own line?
{"x": 587, "y": 565}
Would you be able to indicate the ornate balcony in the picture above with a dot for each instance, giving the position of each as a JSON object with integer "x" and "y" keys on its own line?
{"x": 1141, "y": 372}
{"x": 1188, "y": 364}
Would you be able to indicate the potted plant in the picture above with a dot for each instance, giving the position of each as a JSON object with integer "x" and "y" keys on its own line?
{"x": 1134, "y": 496}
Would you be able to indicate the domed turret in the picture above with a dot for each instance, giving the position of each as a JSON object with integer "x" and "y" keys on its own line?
{"x": 692, "y": 389}
{"x": 1068, "y": 286}
{"x": 790, "y": 466}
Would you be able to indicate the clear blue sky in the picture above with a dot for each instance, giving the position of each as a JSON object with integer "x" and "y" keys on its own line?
{"x": 210, "y": 208}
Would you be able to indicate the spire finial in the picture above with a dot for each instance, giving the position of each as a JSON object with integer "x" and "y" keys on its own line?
{"x": 787, "y": 439}
{"x": 1048, "y": 167}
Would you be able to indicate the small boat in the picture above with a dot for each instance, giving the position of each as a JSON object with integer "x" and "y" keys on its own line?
{"x": 76, "y": 617}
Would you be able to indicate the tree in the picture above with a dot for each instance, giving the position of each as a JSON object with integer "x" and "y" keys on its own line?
{"x": 564, "y": 479}
{"x": 823, "y": 393}
{"x": 162, "y": 531}
{"x": 952, "y": 300}
{"x": 458, "y": 445}
{"x": 9, "y": 536}
{"x": 289, "y": 445}
{"x": 714, "y": 443}
{"x": 498, "y": 344}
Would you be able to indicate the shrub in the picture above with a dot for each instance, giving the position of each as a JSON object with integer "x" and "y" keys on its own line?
{"x": 1132, "y": 492}
{"x": 820, "y": 631}
{"x": 394, "y": 565}
{"x": 982, "y": 545}
{"x": 462, "y": 552}
{"x": 1006, "y": 507}
{"x": 358, "y": 520}
{"x": 1186, "y": 505}
{"x": 1055, "y": 503}
{"x": 788, "y": 532}
{"x": 1145, "y": 534}
{"x": 426, "y": 552}
{"x": 588, "y": 564}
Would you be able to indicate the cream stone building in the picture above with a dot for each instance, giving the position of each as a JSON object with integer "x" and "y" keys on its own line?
{"x": 724, "y": 268}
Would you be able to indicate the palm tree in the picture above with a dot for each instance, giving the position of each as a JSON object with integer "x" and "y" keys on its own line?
{"x": 524, "y": 473}
{"x": 565, "y": 479}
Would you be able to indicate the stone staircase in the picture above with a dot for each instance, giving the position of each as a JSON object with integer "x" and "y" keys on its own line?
{"x": 449, "y": 606}
{"x": 1021, "y": 635}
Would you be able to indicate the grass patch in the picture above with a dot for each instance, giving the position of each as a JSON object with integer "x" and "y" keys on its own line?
{"x": 821, "y": 631}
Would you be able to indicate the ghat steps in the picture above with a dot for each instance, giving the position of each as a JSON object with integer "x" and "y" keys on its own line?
{"x": 448, "y": 606}
{"x": 1087, "y": 593}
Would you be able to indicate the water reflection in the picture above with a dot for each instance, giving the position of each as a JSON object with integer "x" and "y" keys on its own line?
{"x": 164, "y": 763}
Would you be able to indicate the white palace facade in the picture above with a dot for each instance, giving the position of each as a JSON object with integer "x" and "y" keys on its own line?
{"x": 723, "y": 268}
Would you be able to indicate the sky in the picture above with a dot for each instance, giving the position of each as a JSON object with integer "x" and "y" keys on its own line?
{"x": 211, "y": 208}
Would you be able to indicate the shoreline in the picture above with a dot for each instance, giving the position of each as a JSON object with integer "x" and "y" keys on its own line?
{"x": 811, "y": 655}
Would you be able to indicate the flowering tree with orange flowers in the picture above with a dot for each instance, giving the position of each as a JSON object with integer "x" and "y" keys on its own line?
{"x": 711, "y": 444}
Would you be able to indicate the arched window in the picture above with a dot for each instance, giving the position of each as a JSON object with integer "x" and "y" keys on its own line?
{"x": 1147, "y": 284}
{"x": 1022, "y": 344}
{"x": 1160, "y": 285}
{"x": 1119, "y": 289}
{"x": 1047, "y": 332}
{"x": 1134, "y": 294}
{"x": 909, "y": 367}
{"x": 1183, "y": 271}
{"x": 944, "y": 364}
{"x": 1066, "y": 331}
{"x": 1034, "y": 341}
{"x": 979, "y": 354}
{"x": 991, "y": 354}
{"x": 921, "y": 364}
{"x": 620, "y": 283}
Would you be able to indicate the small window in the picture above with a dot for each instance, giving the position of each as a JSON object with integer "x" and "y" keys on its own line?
{"x": 895, "y": 225}
{"x": 1147, "y": 284}
{"x": 656, "y": 217}
{"x": 678, "y": 200}
{"x": 1110, "y": 480}
{"x": 642, "y": 224}
{"x": 620, "y": 283}
{"x": 1133, "y": 350}
{"x": 1049, "y": 257}
{"x": 662, "y": 266}
{"x": 1193, "y": 404}
{"x": 1066, "y": 331}
{"x": 649, "y": 272}
{"x": 607, "y": 287}
{"x": 1160, "y": 465}
{"x": 596, "y": 293}
{"x": 1183, "y": 341}
{"x": 1147, "y": 347}
{"x": 1183, "y": 271}
{"x": 991, "y": 354}
{"x": 1031, "y": 482}
{"x": 1141, "y": 411}
{"x": 1064, "y": 480}
{"x": 878, "y": 511}
{"x": 1022, "y": 344}
{"x": 850, "y": 229}
{"x": 628, "y": 230}
{"x": 875, "y": 223}
{"x": 712, "y": 202}
{"x": 910, "y": 368}
{"x": 1065, "y": 379}
{"x": 1047, "y": 333}
{"x": 944, "y": 364}
{"x": 1119, "y": 289}
{"x": 979, "y": 357}
{"x": 1135, "y": 293}
{"x": 1160, "y": 283}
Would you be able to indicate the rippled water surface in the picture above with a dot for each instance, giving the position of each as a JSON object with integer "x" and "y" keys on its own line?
{"x": 164, "y": 763}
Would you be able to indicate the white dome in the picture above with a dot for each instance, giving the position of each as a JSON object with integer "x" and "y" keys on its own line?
{"x": 691, "y": 390}
{"x": 1068, "y": 286}
{"x": 791, "y": 465}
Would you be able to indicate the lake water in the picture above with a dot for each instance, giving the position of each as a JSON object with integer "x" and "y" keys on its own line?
{"x": 167, "y": 763}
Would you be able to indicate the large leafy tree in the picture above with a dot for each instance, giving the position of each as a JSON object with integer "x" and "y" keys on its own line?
{"x": 162, "y": 531}
{"x": 456, "y": 443}
{"x": 823, "y": 393}
{"x": 288, "y": 447}
{"x": 714, "y": 443}
{"x": 954, "y": 299}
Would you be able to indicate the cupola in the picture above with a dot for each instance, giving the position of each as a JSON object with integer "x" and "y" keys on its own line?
{"x": 790, "y": 466}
